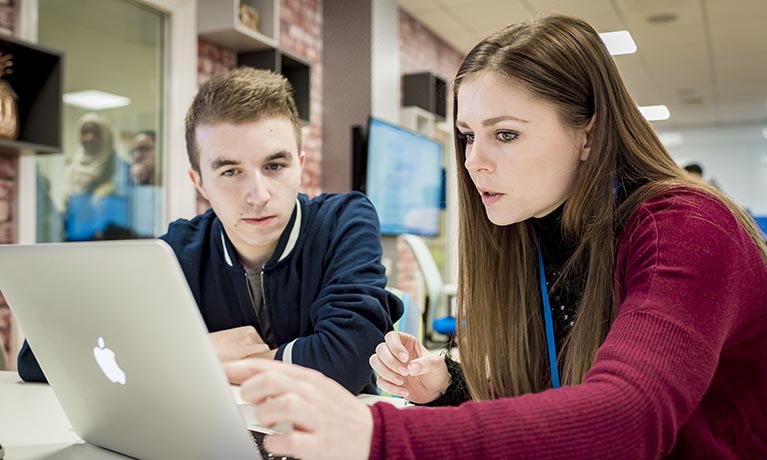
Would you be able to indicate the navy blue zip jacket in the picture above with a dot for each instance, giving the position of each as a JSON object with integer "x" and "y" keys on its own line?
{"x": 324, "y": 286}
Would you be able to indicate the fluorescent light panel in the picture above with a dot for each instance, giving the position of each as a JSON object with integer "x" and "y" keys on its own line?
{"x": 655, "y": 112}
{"x": 619, "y": 42}
{"x": 95, "y": 100}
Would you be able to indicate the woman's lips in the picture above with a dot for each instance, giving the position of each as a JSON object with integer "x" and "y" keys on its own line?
{"x": 489, "y": 198}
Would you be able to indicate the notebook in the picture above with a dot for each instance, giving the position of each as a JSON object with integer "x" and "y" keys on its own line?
{"x": 117, "y": 333}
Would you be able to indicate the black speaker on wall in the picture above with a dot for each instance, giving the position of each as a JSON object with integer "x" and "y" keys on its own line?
{"x": 427, "y": 91}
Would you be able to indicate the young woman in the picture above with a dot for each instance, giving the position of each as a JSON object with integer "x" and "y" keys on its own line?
{"x": 612, "y": 306}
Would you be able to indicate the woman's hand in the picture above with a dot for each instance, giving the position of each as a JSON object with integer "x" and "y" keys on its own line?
{"x": 329, "y": 422}
{"x": 406, "y": 368}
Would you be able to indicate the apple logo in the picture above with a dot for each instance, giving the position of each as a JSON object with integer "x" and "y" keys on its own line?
{"x": 105, "y": 358}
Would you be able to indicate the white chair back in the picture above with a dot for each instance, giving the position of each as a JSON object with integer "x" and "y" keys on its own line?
{"x": 431, "y": 277}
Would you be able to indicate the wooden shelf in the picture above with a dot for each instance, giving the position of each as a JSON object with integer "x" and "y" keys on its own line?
{"x": 218, "y": 21}
{"x": 37, "y": 80}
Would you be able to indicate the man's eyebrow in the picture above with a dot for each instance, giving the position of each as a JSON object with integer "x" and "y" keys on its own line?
{"x": 220, "y": 162}
{"x": 281, "y": 155}
{"x": 223, "y": 162}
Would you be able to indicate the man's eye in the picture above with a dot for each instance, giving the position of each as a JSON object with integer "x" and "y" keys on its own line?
{"x": 229, "y": 172}
{"x": 273, "y": 166}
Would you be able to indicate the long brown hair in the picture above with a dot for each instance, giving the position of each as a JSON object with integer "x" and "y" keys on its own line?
{"x": 563, "y": 61}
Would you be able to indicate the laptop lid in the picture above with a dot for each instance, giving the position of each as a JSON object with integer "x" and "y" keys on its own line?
{"x": 119, "y": 336}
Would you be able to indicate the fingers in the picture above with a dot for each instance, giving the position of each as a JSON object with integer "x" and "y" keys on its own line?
{"x": 239, "y": 371}
{"x": 385, "y": 356}
{"x": 289, "y": 408}
{"x": 391, "y": 388}
{"x": 394, "y": 341}
{"x": 384, "y": 372}
{"x": 424, "y": 365}
{"x": 294, "y": 444}
{"x": 272, "y": 378}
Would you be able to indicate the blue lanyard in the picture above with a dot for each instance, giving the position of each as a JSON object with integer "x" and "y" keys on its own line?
{"x": 547, "y": 319}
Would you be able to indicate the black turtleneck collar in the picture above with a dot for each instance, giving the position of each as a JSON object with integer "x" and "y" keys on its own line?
{"x": 550, "y": 224}
{"x": 556, "y": 252}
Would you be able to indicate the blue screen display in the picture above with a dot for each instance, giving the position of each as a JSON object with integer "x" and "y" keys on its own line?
{"x": 404, "y": 179}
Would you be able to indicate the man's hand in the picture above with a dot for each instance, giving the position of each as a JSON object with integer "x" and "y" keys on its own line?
{"x": 238, "y": 343}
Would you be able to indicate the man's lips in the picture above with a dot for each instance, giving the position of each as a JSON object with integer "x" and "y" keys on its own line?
{"x": 258, "y": 220}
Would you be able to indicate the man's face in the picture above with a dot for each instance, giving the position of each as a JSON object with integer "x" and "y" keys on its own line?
{"x": 143, "y": 158}
{"x": 250, "y": 173}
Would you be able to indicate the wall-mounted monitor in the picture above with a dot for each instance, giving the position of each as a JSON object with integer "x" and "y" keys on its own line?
{"x": 403, "y": 179}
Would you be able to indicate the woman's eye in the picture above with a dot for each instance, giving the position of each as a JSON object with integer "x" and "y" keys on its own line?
{"x": 467, "y": 137}
{"x": 506, "y": 136}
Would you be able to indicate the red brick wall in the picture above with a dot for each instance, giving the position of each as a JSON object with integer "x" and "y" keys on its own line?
{"x": 9, "y": 166}
{"x": 300, "y": 36}
{"x": 421, "y": 50}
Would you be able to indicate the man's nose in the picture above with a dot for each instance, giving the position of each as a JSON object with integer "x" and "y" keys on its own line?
{"x": 258, "y": 191}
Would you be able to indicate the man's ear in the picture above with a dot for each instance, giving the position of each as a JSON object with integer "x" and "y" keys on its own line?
{"x": 588, "y": 136}
{"x": 197, "y": 181}
{"x": 301, "y": 161}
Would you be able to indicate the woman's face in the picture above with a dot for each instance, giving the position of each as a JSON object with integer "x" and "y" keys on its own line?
{"x": 91, "y": 138}
{"x": 521, "y": 157}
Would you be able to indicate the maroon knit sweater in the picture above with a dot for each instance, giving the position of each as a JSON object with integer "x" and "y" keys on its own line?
{"x": 682, "y": 373}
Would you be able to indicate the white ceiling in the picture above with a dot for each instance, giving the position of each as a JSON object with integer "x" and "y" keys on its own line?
{"x": 709, "y": 66}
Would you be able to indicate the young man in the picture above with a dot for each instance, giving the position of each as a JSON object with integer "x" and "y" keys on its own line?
{"x": 275, "y": 274}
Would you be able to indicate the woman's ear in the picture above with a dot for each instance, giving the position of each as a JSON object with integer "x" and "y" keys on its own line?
{"x": 588, "y": 134}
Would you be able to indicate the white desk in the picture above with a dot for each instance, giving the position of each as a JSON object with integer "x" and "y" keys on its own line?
{"x": 33, "y": 425}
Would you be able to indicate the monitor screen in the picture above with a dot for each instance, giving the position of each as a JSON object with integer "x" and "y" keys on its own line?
{"x": 404, "y": 179}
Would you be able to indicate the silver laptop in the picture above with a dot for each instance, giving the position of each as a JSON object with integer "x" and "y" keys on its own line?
{"x": 117, "y": 333}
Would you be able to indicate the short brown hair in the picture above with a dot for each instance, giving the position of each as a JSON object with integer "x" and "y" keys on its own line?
{"x": 241, "y": 95}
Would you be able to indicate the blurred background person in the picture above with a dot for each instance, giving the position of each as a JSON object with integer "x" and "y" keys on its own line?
{"x": 143, "y": 157}
{"x": 96, "y": 185}
{"x": 695, "y": 170}
{"x": 145, "y": 192}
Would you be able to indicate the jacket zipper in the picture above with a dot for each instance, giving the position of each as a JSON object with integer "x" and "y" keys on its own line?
{"x": 263, "y": 293}
{"x": 263, "y": 299}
